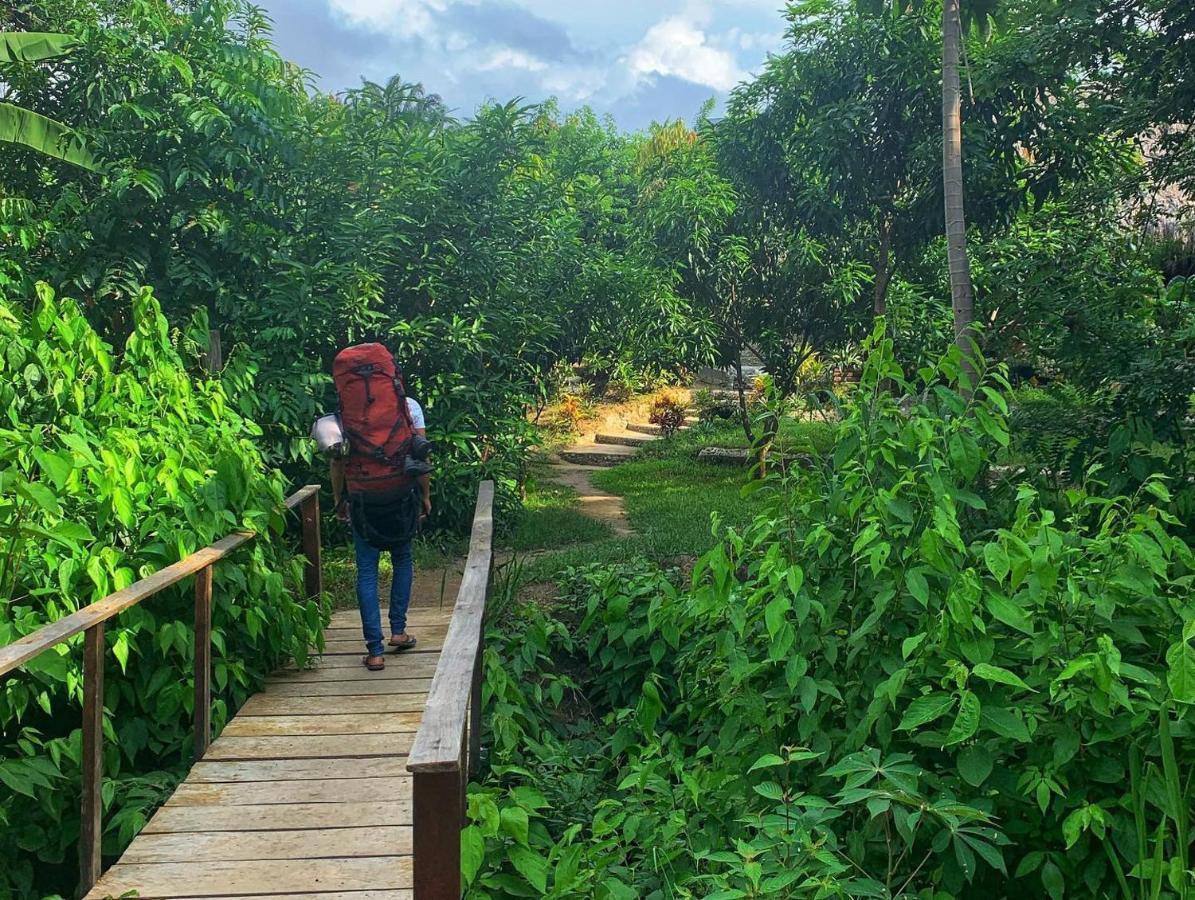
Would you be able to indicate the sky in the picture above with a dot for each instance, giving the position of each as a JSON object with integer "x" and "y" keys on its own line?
{"x": 637, "y": 60}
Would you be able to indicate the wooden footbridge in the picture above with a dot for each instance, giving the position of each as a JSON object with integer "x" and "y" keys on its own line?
{"x": 332, "y": 783}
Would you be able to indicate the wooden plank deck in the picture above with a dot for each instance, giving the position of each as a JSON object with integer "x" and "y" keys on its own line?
{"x": 305, "y": 792}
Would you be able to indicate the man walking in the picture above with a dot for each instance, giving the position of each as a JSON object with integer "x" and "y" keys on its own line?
{"x": 382, "y": 487}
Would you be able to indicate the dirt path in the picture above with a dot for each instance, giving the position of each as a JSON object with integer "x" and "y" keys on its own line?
{"x": 592, "y": 501}
{"x": 436, "y": 587}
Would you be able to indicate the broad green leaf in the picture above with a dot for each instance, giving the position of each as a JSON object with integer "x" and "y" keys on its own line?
{"x": 528, "y": 797}
{"x": 774, "y": 614}
{"x": 910, "y": 644}
{"x": 999, "y": 675}
{"x": 40, "y": 495}
{"x": 966, "y": 723}
{"x": 515, "y": 823}
{"x": 768, "y": 760}
{"x": 770, "y": 790}
{"x": 795, "y": 577}
{"x": 807, "y": 693}
{"x": 120, "y": 649}
{"x": 33, "y": 46}
{"x": 974, "y": 764}
{"x": 56, "y": 465}
{"x": 778, "y": 883}
{"x": 1072, "y": 826}
{"x": 1180, "y": 675}
{"x": 51, "y": 663}
{"x": 53, "y": 139}
{"x": 918, "y": 586}
{"x": 1052, "y": 880}
{"x": 996, "y": 558}
{"x": 530, "y": 865}
{"x": 1006, "y": 611}
{"x": 472, "y": 852}
{"x": 925, "y": 709}
{"x": 1004, "y": 723}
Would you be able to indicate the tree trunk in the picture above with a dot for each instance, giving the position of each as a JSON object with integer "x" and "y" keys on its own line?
{"x": 952, "y": 178}
{"x": 744, "y": 417}
{"x": 883, "y": 269}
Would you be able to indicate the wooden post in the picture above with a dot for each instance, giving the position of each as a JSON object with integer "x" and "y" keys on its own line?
{"x": 215, "y": 353}
{"x": 437, "y": 838}
{"x": 90, "y": 831}
{"x": 312, "y": 576}
{"x": 203, "y": 661}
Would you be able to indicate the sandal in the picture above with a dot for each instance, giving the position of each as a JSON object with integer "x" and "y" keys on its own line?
{"x": 401, "y": 645}
{"x": 374, "y": 663}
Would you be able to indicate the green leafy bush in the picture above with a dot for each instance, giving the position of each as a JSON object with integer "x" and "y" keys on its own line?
{"x": 667, "y": 412}
{"x": 713, "y": 407}
{"x": 111, "y": 467}
{"x": 892, "y": 682}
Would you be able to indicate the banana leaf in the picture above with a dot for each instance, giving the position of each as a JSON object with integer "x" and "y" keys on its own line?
{"x": 23, "y": 126}
{"x": 30, "y": 46}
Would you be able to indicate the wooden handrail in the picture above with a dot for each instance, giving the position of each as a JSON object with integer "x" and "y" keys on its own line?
{"x": 449, "y": 737}
{"x": 38, "y": 642}
{"x": 437, "y": 746}
{"x": 91, "y": 621}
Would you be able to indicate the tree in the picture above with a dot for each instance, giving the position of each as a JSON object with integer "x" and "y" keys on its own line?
{"x": 763, "y": 282}
{"x": 958, "y": 263}
{"x": 842, "y": 130}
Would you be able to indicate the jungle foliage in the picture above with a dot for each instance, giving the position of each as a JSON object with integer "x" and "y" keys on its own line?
{"x": 907, "y": 677}
{"x": 952, "y": 658}
{"x": 225, "y": 195}
{"x": 483, "y": 251}
{"x": 112, "y": 466}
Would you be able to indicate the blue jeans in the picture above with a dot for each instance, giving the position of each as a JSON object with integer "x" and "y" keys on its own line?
{"x": 367, "y": 591}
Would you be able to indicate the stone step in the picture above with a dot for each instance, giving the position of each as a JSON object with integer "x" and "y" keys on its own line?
{"x": 643, "y": 427}
{"x": 648, "y": 428}
{"x": 626, "y": 438}
{"x": 591, "y": 453}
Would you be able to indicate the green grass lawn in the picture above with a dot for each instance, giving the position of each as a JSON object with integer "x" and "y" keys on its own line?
{"x": 669, "y": 502}
{"x": 796, "y": 436}
{"x": 670, "y": 499}
{"x": 550, "y": 519}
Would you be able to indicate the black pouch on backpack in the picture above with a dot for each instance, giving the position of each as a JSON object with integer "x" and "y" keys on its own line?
{"x": 387, "y": 519}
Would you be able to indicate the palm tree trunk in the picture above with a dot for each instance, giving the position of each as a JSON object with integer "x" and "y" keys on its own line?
{"x": 952, "y": 178}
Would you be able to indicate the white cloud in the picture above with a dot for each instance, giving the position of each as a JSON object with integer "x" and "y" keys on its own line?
{"x": 400, "y": 17}
{"x": 509, "y": 58}
{"x": 677, "y": 47}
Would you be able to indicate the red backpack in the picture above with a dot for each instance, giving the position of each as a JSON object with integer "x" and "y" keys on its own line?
{"x": 375, "y": 418}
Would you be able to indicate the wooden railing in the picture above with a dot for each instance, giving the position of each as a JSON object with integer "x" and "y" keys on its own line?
{"x": 446, "y": 747}
{"x": 90, "y": 620}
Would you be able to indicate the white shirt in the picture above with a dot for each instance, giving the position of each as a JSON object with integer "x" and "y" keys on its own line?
{"x": 416, "y": 412}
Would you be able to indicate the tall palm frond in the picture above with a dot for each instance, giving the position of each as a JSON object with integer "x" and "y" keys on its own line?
{"x": 26, "y": 127}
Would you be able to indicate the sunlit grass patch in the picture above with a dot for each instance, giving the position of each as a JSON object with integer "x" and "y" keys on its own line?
{"x": 550, "y": 519}
{"x": 670, "y": 501}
